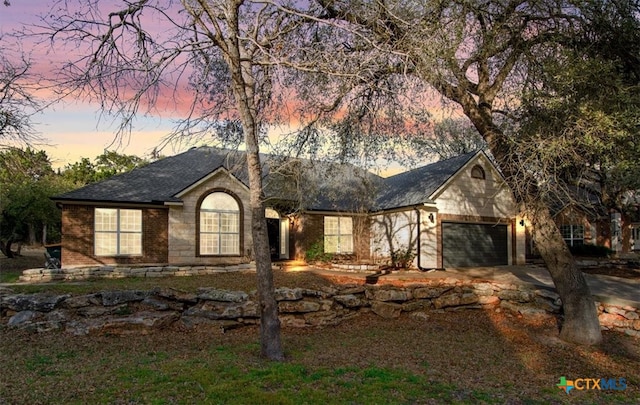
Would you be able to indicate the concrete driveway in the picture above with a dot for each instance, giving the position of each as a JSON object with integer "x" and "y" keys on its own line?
{"x": 606, "y": 289}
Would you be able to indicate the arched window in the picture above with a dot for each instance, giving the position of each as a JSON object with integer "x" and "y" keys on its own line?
{"x": 477, "y": 172}
{"x": 219, "y": 225}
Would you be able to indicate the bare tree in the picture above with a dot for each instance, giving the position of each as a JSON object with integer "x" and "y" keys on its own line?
{"x": 478, "y": 56}
{"x": 17, "y": 101}
{"x": 452, "y": 137}
{"x": 222, "y": 54}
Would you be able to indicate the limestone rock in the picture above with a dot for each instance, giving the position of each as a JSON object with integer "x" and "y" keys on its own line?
{"x": 175, "y": 295}
{"x": 387, "y": 310}
{"x": 392, "y": 295}
{"x": 516, "y": 295}
{"x": 301, "y": 306}
{"x": 295, "y": 321}
{"x": 212, "y": 294}
{"x": 417, "y": 305}
{"x": 33, "y": 302}
{"x": 138, "y": 323}
{"x": 79, "y": 301}
{"x": 352, "y": 289}
{"x": 482, "y": 289}
{"x": 454, "y": 300}
{"x": 349, "y": 300}
{"x": 112, "y": 298}
{"x": 429, "y": 292}
{"x": 631, "y": 315}
{"x": 420, "y": 315}
{"x": 21, "y": 318}
{"x": 155, "y": 304}
{"x": 98, "y": 311}
{"x": 288, "y": 294}
{"x": 488, "y": 300}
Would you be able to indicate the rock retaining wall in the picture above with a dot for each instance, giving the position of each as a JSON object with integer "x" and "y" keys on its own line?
{"x": 97, "y": 272}
{"x": 134, "y": 311}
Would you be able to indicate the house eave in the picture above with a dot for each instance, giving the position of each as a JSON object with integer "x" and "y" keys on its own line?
{"x": 110, "y": 203}
{"x": 429, "y": 206}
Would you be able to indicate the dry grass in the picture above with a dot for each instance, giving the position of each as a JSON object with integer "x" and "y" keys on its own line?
{"x": 451, "y": 357}
{"x": 11, "y": 269}
{"x": 468, "y": 356}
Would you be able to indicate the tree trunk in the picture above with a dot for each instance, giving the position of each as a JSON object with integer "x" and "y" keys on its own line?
{"x": 5, "y": 248}
{"x": 32, "y": 234}
{"x": 270, "y": 342}
{"x": 44, "y": 234}
{"x": 581, "y": 323}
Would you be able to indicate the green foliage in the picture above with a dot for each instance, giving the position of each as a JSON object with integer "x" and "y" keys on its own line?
{"x": 582, "y": 124}
{"x": 402, "y": 258}
{"x": 108, "y": 164}
{"x": 28, "y": 181}
{"x": 316, "y": 253}
{"x": 590, "y": 250}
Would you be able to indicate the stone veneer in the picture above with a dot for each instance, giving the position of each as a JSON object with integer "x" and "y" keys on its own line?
{"x": 97, "y": 272}
{"x": 135, "y": 311}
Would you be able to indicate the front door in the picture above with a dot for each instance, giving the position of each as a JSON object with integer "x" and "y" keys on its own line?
{"x": 273, "y": 231}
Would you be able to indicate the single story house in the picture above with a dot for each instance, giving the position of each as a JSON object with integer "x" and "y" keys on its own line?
{"x": 192, "y": 208}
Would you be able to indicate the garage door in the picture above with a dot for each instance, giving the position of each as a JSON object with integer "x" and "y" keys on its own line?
{"x": 467, "y": 245}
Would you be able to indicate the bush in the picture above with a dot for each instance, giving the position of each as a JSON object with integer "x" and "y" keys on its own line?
{"x": 590, "y": 250}
{"x": 316, "y": 253}
{"x": 402, "y": 258}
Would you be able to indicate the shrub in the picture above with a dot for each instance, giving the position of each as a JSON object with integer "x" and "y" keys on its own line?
{"x": 590, "y": 250}
{"x": 316, "y": 253}
{"x": 402, "y": 258}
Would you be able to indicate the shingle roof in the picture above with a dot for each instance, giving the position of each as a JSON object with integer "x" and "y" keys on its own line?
{"x": 323, "y": 186}
{"x": 159, "y": 181}
{"x": 416, "y": 186}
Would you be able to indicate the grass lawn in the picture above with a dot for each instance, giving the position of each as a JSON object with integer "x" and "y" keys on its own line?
{"x": 464, "y": 357}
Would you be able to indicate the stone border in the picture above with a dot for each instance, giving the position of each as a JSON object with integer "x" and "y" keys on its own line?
{"x": 136, "y": 311}
{"x": 97, "y": 272}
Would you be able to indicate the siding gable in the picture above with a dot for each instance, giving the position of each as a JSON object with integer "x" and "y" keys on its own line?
{"x": 464, "y": 195}
{"x": 183, "y": 218}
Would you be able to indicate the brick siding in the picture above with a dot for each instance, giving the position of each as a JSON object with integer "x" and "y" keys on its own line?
{"x": 78, "y": 237}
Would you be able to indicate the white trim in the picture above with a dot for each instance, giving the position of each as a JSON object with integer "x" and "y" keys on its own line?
{"x": 284, "y": 238}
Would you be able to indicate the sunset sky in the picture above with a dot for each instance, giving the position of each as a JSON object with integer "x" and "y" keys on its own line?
{"x": 73, "y": 130}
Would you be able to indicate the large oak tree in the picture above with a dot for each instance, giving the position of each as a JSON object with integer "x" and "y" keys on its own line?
{"x": 483, "y": 56}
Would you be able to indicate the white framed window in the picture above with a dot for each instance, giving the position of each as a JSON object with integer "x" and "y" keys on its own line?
{"x": 573, "y": 234}
{"x": 118, "y": 232}
{"x": 219, "y": 225}
{"x": 338, "y": 235}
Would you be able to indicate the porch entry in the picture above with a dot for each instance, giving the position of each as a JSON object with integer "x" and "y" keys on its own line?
{"x": 278, "y": 233}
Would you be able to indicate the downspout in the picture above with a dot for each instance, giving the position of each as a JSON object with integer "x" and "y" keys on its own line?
{"x": 419, "y": 221}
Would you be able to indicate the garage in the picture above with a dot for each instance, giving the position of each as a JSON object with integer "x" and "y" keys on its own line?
{"x": 468, "y": 245}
